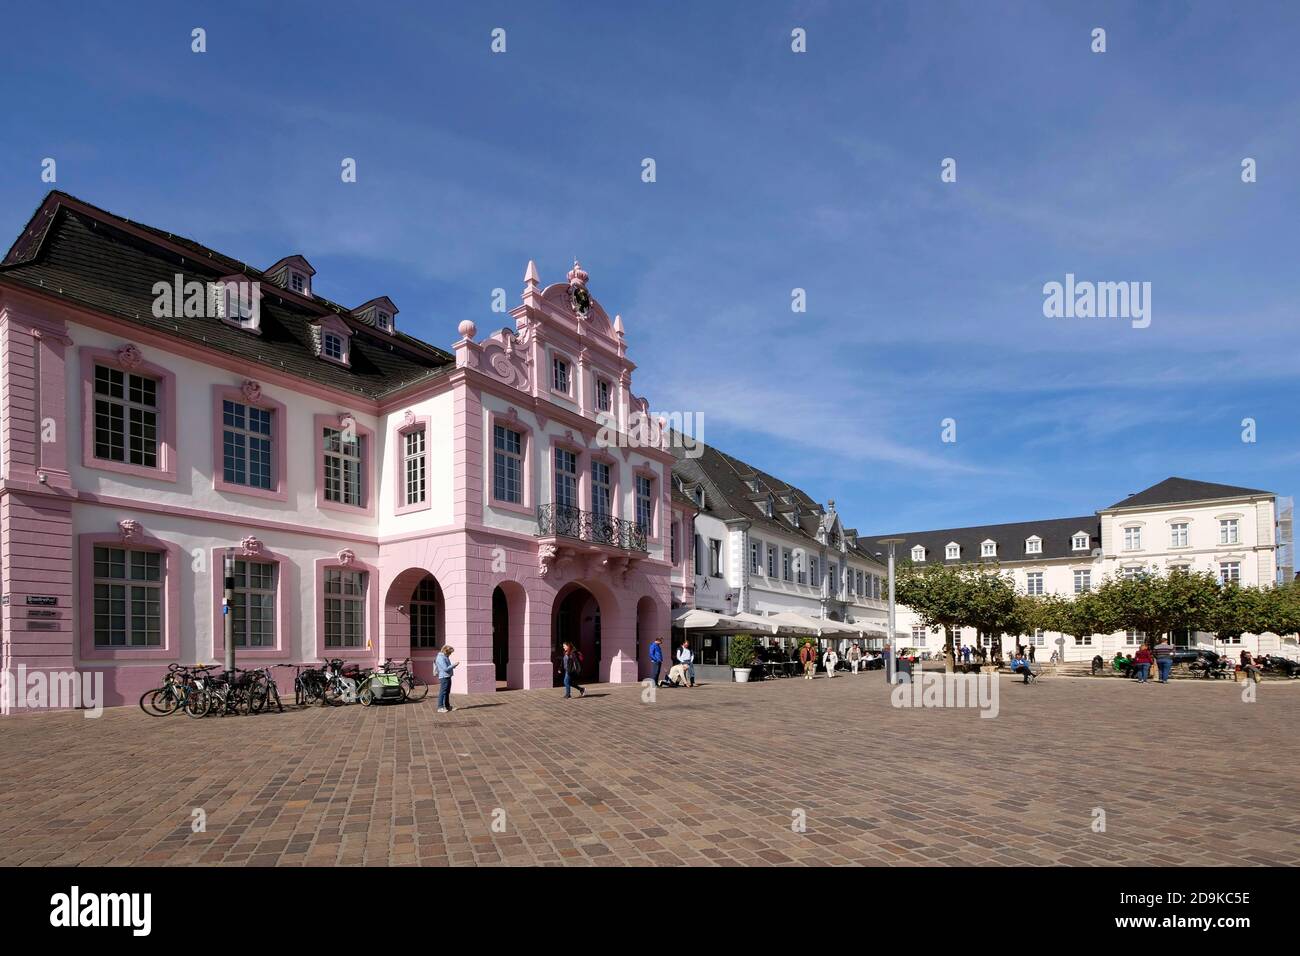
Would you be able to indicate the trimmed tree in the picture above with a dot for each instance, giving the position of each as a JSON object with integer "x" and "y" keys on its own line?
{"x": 937, "y": 595}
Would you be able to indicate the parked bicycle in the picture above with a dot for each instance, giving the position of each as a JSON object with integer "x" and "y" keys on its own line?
{"x": 415, "y": 688}
{"x": 179, "y": 691}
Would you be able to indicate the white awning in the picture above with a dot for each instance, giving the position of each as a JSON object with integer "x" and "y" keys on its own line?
{"x": 698, "y": 619}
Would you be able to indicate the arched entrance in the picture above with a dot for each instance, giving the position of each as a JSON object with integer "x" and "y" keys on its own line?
{"x": 415, "y": 623}
{"x": 508, "y": 654}
{"x": 576, "y": 620}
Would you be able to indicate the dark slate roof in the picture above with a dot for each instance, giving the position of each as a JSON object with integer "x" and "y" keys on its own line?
{"x": 84, "y": 255}
{"x": 1055, "y": 532}
{"x": 728, "y": 495}
{"x": 1180, "y": 490}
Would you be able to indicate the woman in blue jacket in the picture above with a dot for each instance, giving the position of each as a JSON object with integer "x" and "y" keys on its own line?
{"x": 445, "y": 669}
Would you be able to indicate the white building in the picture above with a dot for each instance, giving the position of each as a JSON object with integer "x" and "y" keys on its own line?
{"x": 1230, "y": 531}
{"x": 761, "y": 546}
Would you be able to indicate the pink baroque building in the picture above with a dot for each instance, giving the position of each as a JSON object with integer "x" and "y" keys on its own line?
{"x": 166, "y": 409}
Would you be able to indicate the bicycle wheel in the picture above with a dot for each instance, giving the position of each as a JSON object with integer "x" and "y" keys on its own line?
{"x": 416, "y": 689}
{"x": 332, "y": 695}
{"x": 198, "y": 704}
{"x": 158, "y": 702}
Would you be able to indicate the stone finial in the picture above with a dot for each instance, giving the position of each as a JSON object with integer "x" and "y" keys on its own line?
{"x": 618, "y": 325}
{"x": 578, "y": 275}
{"x": 531, "y": 278}
{"x": 467, "y": 330}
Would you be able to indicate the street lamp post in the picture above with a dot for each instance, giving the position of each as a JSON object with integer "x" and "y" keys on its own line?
{"x": 891, "y": 662}
{"x": 227, "y": 607}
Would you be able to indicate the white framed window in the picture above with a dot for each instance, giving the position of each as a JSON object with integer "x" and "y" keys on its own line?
{"x": 560, "y": 375}
{"x": 345, "y": 608}
{"x": 126, "y": 417}
{"x": 602, "y": 490}
{"x": 297, "y": 282}
{"x": 715, "y": 558}
{"x": 1230, "y": 572}
{"x": 1228, "y": 531}
{"x": 755, "y": 557}
{"x": 1178, "y": 534}
{"x": 1034, "y": 545}
{"x": 331, "y": 346}
{"x": 1130, "y": 573}
{"x": 566, "y": 478}
{"x": 384, "y": 320}
{"x": 602, "y": 395}
{"x": 344, "y": 454}
{"x": 1082, "y": 581}
{"x": 918, "y": 553}
{"x": 1133, "y": 538}
{"x": 128, "y": 596}
{"x": 413, "y": 467}
{"x": 814, "y": 571}
{"x": 1038, "y": 638}
{"x": 989, "y": 549}
{"x": 645, "y": 504}
{"x": 1080, "y": 542}
{"x": 919, "y": 635}
{"x": 862, "y": 583}
{"x": 771, "y": 561}
{"x": 1133, "y": 638}
{"x": 246, "y": 445}
{"x": 252, "y": 606}
{"x": 507, "y": 465}
{"x": 424, "y": 614}
{"x": 1034, "y": 582}
{"x": 800, "y": 566}
{"x": 786, "y": 558}
{"x": 952, "y": 551}
{"x": 1084, "y": 640}
{"x": 1231, "y": 639}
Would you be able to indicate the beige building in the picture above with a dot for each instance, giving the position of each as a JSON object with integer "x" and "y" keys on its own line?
{"x": 1235, "y": 533}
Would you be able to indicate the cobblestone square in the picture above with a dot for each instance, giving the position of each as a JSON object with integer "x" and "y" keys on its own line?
{"x": 1186, "y": 773}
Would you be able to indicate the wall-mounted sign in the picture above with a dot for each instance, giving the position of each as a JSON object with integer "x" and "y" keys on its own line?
{"x": 37, "y": 612}
{"x": 42, "y": 625}
{"x": 42, "y": 600}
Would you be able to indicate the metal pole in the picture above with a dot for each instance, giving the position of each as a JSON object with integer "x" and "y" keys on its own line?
{"x": 891, "y": 663}
{"x": 227, "y": 607}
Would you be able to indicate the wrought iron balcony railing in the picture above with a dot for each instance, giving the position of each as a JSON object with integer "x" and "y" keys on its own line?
{"x": 564, "y": 521}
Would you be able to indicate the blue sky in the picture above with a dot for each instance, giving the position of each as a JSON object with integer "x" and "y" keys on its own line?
{"x": 774, "y": 171}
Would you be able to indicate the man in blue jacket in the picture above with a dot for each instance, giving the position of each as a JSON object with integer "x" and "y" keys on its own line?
{"x": 445, "y": 669}
{"x": 657, "y": 657}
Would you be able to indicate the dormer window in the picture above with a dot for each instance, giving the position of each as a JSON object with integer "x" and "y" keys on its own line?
{"x": 952, "y": 551}
{"x": 1080, "y": 542}
{"x": 332, "y": 346}
{"x": 293, "y": 273}
{"x": 918, "y": 553}
{"x": 768, "y": 506}
{"x": 1034, "y": 545}
{"x": 238, "y": 302}
{"x": 989, "y": 549}
{"x": 384, "y": 321}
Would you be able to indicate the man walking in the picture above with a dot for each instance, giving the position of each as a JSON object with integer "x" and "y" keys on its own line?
{"x": 656, "y": 658}
{"x": 855, "y": 657}
{"x": 808, "y": 657}
{"x": 445, "y": 669}
{"x": 1164, "y": 659}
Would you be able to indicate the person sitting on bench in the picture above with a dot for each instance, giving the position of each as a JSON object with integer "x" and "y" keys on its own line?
{"x": 1020, "y": 663}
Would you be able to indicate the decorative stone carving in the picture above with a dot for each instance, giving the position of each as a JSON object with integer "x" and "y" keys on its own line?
{"x": 546, "y": 555}
{"x": 130, "y": 529}
{"x": 408, "y": 417}
{"x": 251, "y": 390}
{"x": 128, "y": 356}
{"x": 250, "y": 546}
{"x": 347, "y": 557}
